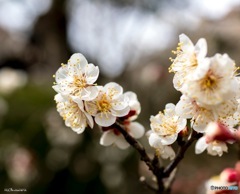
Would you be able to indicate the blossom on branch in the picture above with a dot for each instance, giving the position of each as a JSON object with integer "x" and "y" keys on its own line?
{"x": 108, "y": 105}
{"x": 72, "y": 111}
{"x": 189, "y": 56}
{"x": 77, "y": 78}
{"x": 167, "y": 125}
{"x": 200, "y": 115}
{"x": 213, "y": 82}
{"x": 213, "y": 148}
{"x": 163, "y": 151}
{"x": 111, "y": 135}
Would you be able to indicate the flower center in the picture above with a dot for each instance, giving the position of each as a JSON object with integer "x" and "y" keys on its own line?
{"x": 168, "y": 125}
{"x": 103, "y": 104}
{"x": 79, "y": 81}
{"x": 209, "y": 82}
{"x": 168, "y": 128}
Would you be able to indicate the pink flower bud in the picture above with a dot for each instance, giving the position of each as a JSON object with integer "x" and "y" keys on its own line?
{"x": 229, "y": 175}
{"x": 218, "y": 131}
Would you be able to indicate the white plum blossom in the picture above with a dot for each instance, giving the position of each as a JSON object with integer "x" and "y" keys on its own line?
{"x": 189, "y": 56}
{"x": 201, "y": 115}
{"x": 77, "y": 78}
{"x": 167, "y": 125}
{"x": 214, "y": 82}
{"x": 108, "y": 105}
{"x": 72, "y": 111}
{"x": 111, "y": 135}
{"x": 213, "y": 148}
{"x": 163, "y": 151}
{"x": 189, "y": 109}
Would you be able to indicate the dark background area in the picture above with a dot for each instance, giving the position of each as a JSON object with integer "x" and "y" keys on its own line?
{"x": 131, "y": 42}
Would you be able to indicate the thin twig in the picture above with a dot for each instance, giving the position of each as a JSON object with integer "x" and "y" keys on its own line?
{"x": 157, "y": 171}
{"x": 180, "y": 155}
{"x": 155, "y": 160}
{"x": 137, "y": 146}
{"x": 143, "y": 181}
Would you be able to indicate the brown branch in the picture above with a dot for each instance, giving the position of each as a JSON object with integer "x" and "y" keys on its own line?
{"x": 153, "y": 164}
{"x": 137, "y": 146}
{"x": 157, "y": 171}
{"x": 181, "y": 152}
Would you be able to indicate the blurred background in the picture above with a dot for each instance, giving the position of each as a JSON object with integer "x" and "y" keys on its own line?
{"x": 131, "y": 42}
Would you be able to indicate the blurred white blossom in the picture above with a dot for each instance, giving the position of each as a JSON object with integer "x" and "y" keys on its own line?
{"x": 20, "y": 166}
{"x": 11, "y": 79}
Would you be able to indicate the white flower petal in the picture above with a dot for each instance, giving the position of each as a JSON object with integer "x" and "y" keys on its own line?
{"x": 201, "y": 70}
{"x": 105, "y": 119}
{"x": 121, "y": 142}
{"x": 120, "y": 113}
{"x": 91, "y": 107}
{"x": 61, "y": 74}
{"x": 108, "y": 138}
{"x": 168, "y": 140}
{"x": 169, "y": 109}
{"x": 184, "y": 108}
{"x": 155, "y": 141}
{"x": 119, "y": 103}
{"x": 59, "y": 98}
{"x": 167, "y": 152}
{"x": 89, "y": 120}
{"x": 79, "y": 130}
{"x": 201, "y": 48}
{"x": 92, "y": 73}
{"x": 131, "y": 96}
{"x": 186, "y": 43}
{"x": 201, "y": 145}
{"x": 56, "y": 88}
{"x": 136, "y": 130}
{"x": 217, "y": 148}
{"x": 113, "y": 89}
{"x": 89, "y": 93}
{"x": 77, "y": 61}
{"x": 181, "y": 123}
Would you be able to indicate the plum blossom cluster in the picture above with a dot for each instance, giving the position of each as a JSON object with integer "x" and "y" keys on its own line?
{"x": 208, "y": 111}
{"x": 81, "y": 102}
{"x": 209, "y": 101}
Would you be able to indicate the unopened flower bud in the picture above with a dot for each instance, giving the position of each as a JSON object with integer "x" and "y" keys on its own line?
{"x": 229, "y": 175}
{"x": 184, "y": 132}
{"x": 218, "y": 131}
